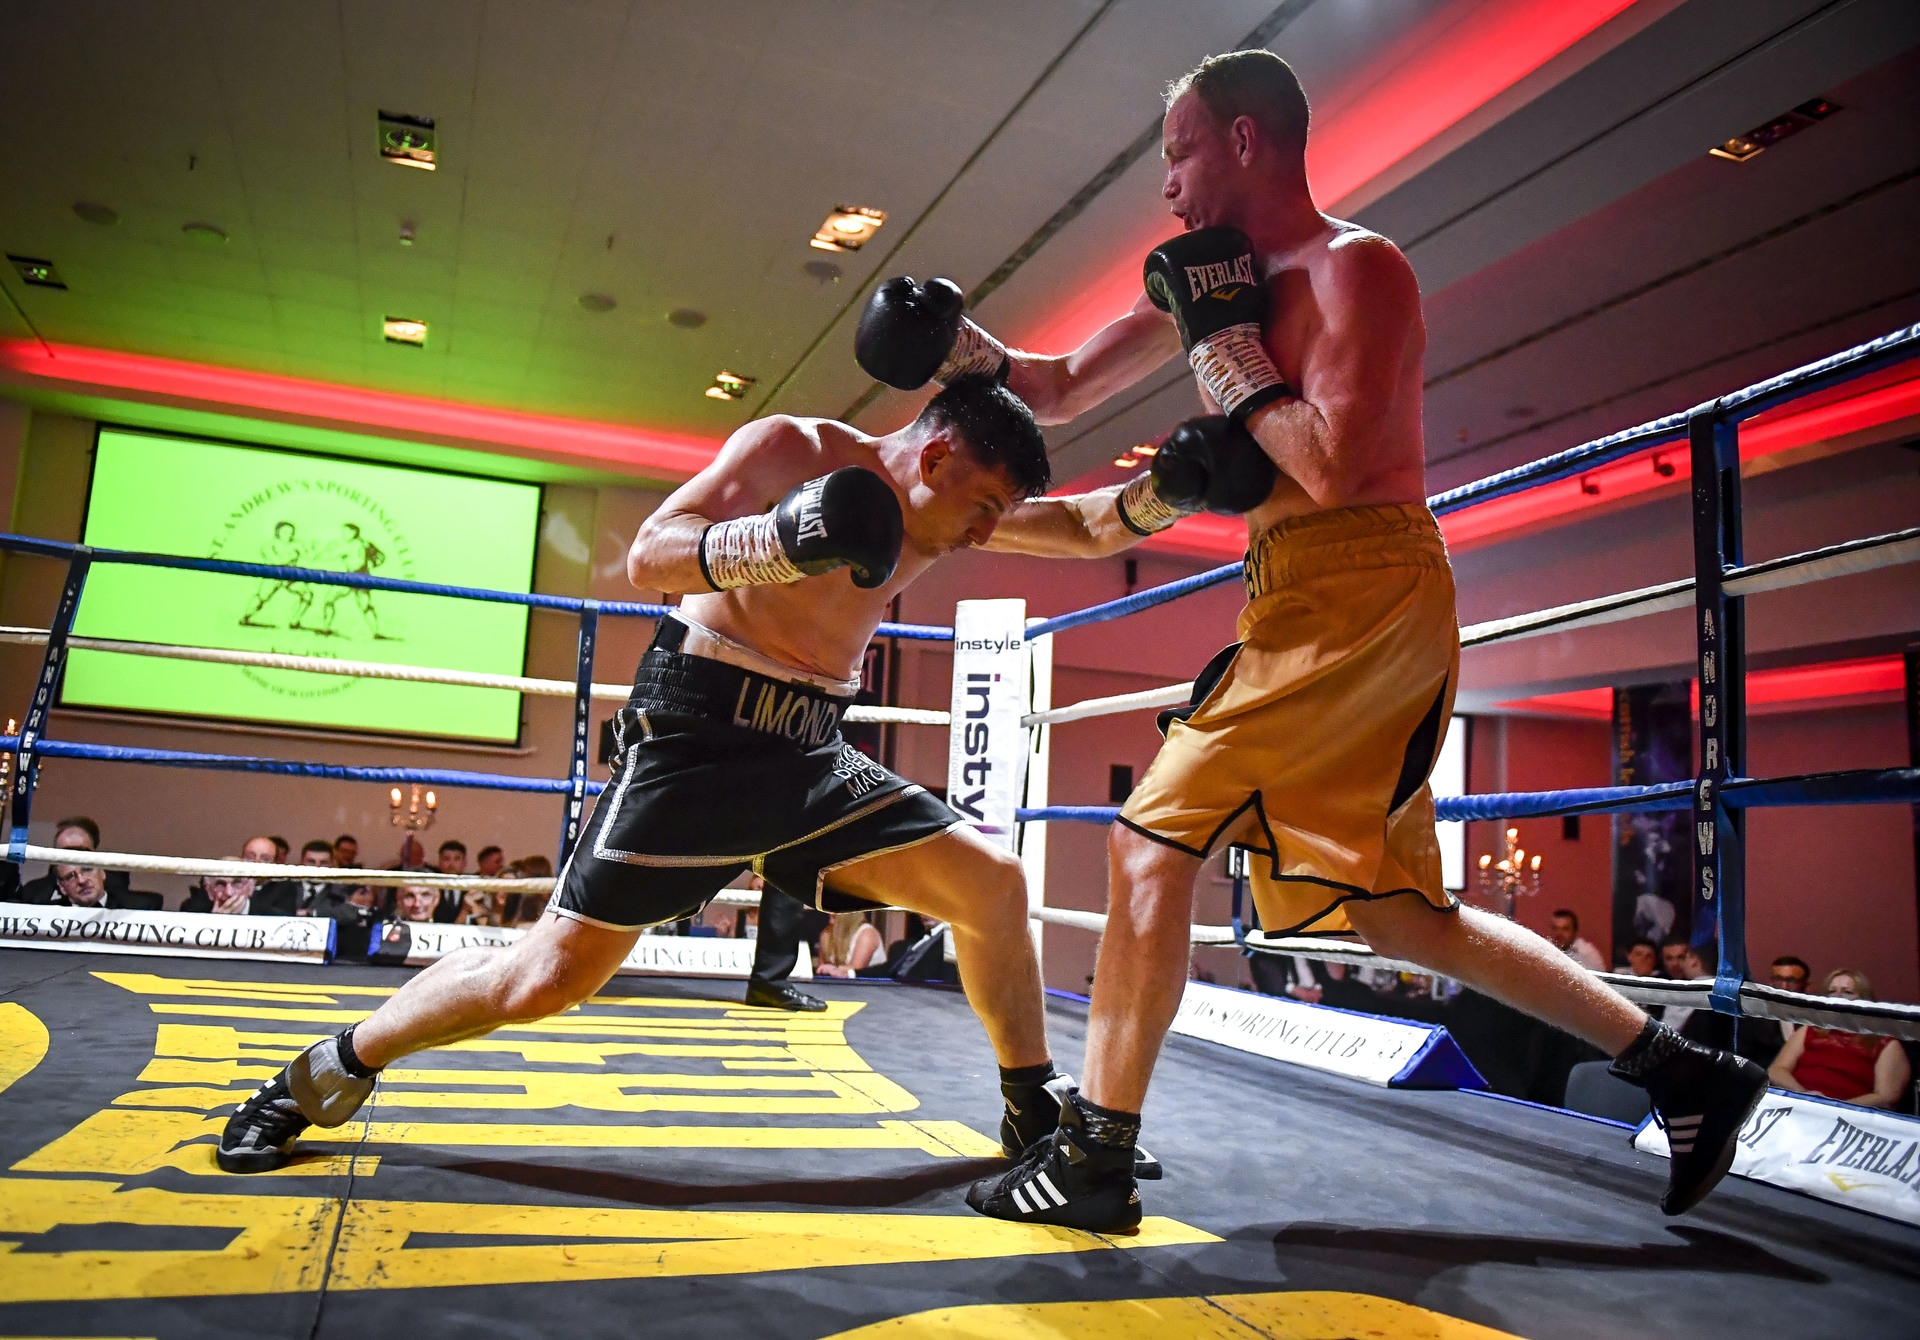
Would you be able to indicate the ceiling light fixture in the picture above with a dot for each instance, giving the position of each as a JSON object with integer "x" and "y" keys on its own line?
{"x": 40, "y": 274}
{"x": 596, "y": 302}
{"x": 1126, "y": 462}
{"x": 408, "y": 140}
{"x": 727, "y": 386}
{"x": 1761, "y": 138}
{"x": 686, "y": 318}
{"x": 1146, "y": 449}
{"x": 405, "y": 330}
{"x": 848, "y": 228}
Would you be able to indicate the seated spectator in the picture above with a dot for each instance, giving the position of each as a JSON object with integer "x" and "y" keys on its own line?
{"x": 1643, "y": 958}
{"x": 1287, "y": 975}
{"x": 477, "y": 908}
{"x": 415, "y": 902}
{"x": 281, "y": 850}
{"x": 1859, "y": 1068}
{"x": 271, "y": 897}
{"x": 320, "y": 897}
{"x": 1673, "y": 957}
{"x": 346, "y": 852}
{"x": 489, "y": 862}
{"x": 451, "y": 860}
{"x": 848, "y": 945}
{"x": 523, "y": 909}
{"x": 1760, "y": 1040}
{"x": 1566, "y": 937}
{"x": 81, "y": 834}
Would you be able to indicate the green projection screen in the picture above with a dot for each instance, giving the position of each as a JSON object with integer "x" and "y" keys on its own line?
{"x": 210, "y": 500}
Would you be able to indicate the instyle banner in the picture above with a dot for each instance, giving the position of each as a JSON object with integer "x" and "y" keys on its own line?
{"x": 1652, "y": 863}
{"x": 986, "y": 746}
{"x": 1392, "y": 1053}
{"x": 109, "y": 930}
{"x": 1850, "y": 1155}
{"x": 418, "y": 943}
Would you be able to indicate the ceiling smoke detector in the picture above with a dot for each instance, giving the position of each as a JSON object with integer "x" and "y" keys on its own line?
{"x": 1761, "y": 138}
{"x": 596, "y": 302}
{"x": 405, "y": 330}
{"x": 686, "y": 318}
{"x": 408, "y": 140}
{"x": 727, "y": 386}
{"x": 848, "y": 228}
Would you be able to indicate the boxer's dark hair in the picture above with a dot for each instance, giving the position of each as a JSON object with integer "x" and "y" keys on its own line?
{"x": 1256, "y": 84}
{"x": 997, "y": 427}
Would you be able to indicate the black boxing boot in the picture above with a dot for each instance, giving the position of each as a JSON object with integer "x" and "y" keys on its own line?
{"x": 1033, "y": 1095}
{"x": 322, "y": 1086}
{"x": 1701, "y": 1098}
{"x": 1080, "y": 1178}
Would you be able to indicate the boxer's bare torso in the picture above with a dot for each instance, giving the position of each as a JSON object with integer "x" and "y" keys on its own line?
{"x": 822, "y": 625}
{"x": 1344, "y": 328}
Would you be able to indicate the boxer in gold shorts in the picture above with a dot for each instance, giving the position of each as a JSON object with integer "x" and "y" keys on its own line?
{"x": 1311, "y": 739}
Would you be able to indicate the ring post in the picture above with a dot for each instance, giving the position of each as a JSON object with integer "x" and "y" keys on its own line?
{"x": 1719, "y": 830}
{"x": 1031, "y": 839}
{"x": 26, "y": 771}
{"x": 582, "y": 718}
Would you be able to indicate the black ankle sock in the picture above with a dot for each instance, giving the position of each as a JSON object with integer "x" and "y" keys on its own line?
{"x": 1656, "y": 1045}
{"x": 1105, "y": 1126}
{"x": 1014, "y": 1079}
{"x": 350, "y": 1060}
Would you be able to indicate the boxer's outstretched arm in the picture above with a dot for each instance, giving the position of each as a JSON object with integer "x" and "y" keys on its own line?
{"x": 1061, "y": 387}
{"x": 1087, "y": 525}
{"x": 755, "y": 467}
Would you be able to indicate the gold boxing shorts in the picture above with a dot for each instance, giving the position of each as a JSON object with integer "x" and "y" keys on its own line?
{"x": 1310, "y": 740}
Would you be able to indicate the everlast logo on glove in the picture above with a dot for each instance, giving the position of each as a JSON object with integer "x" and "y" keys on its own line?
{"x": 1216, "y": 275}
{"x": 813, "y": 521}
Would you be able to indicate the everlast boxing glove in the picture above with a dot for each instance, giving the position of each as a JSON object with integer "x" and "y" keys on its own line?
{"x": 1208, "y": 281}
{"x": 1209, "y": 463}
{"x": 912, "y": 333}
{"x": 850, "y": 518}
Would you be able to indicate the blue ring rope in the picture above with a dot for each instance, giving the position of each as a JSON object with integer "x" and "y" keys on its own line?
{"x": 175, "y": 758}
{"x": 1867, "y": 786}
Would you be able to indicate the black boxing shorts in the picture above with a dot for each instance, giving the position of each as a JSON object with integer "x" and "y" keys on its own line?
{"x": 719, "y": 770}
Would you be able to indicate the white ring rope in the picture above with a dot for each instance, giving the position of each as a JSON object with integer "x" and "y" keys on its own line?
{"x": 1872, "y": 1017}
{"x": 418, "y": 674}
{"x": 1777, "y": 574}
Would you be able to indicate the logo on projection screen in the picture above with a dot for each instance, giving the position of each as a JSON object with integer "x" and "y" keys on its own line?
{"x": 314, "y": 522}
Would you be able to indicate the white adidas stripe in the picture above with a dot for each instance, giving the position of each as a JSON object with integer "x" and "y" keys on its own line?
{"x": 1020, "y": 1199}
{"x": 1046, "y": 1184}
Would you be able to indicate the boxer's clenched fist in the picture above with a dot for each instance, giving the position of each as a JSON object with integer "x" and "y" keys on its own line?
{"x": 1208, "y": 281}
{"x": 848, "y": 519}
{"x": 912, "y": 334}
{"x": 1206, "y": 464}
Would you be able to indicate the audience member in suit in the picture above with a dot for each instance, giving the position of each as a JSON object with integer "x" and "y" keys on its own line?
{"x": 65, "y": 886}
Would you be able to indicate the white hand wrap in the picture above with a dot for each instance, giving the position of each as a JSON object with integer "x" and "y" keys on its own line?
{"x": 1143, "y": 511}
{"x": 1234, "y": 365}
{"x": 745, "y": 552}
{"x": 973, "y": 351}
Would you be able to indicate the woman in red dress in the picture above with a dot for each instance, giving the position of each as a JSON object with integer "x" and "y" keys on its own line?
{"x": 1853, "y": 1067}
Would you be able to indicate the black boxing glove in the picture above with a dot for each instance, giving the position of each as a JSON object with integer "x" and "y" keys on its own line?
{"x": 1208, "y": 281}
{"x": 1213, "y": 462}
{"x": 848, "y": 519}
{"x": 912, "y": 334}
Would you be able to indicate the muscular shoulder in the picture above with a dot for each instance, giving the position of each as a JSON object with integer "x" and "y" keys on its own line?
{"x": 1365, "y": 267}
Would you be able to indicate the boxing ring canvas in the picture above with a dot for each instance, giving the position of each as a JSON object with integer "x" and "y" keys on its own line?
{"x": 667, "y": 1161}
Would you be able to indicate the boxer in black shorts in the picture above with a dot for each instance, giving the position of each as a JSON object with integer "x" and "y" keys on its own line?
{"x": 792, "y": 544}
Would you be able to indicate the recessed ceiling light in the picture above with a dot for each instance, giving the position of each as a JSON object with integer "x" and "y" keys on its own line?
{"x": 1146, "y": 449}
{"x": 95, "y": 213}
{"x": 848, "y": 228}
{"x": 686, "y": 318}
{"x": 596, "y": 302}
{"x": 211, "y": 234}
{"x": 1126, "y": 462}
{"x": 408, "y": 140}
{"x": 727, "y": 386}
{"x": 40, "y": 274}
{"x": 405, "y": 330}
{"x": 1750, "y": 145}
